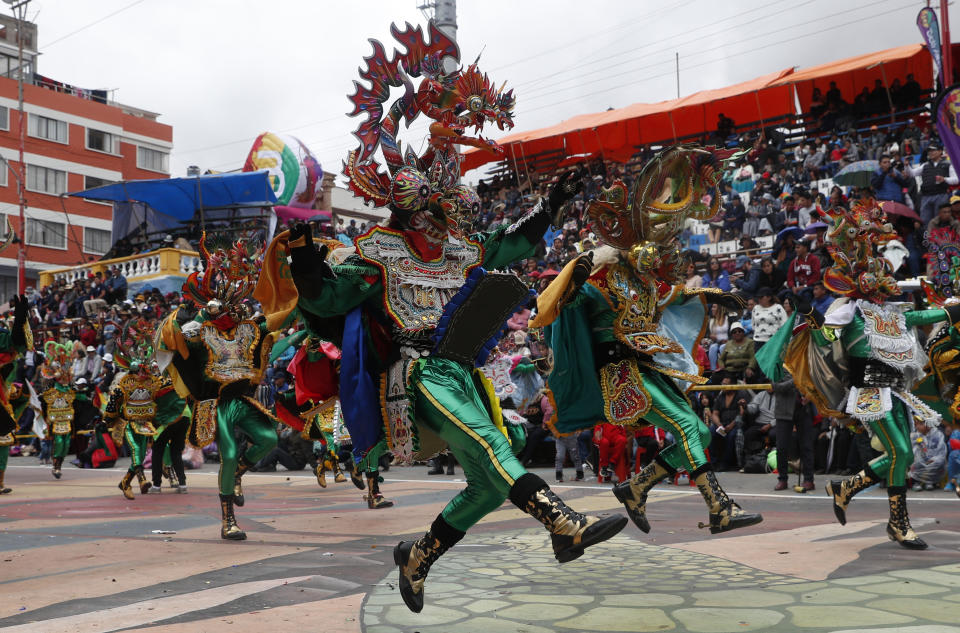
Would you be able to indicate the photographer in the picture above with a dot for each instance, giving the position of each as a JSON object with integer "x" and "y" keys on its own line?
{"x": 888, "y": 181}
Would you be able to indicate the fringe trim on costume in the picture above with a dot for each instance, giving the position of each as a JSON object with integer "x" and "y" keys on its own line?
{"x": 869, "y": 404}
{"x": 919, "y": 408}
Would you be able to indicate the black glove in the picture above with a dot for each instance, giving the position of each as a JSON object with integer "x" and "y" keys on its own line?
{"x": 582, "y": 269}
{"x": 305, "y": 260}
{"x": 953, "y": 313}
{"x": 567, "y": 186}
{"x": 730, "y": 301}
{"x": 813, "y": 317}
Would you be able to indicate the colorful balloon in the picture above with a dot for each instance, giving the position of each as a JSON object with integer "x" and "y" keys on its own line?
{"x": 294, "y": 172}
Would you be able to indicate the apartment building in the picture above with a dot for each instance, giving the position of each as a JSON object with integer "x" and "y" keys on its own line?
{"x": 74, "y": 139}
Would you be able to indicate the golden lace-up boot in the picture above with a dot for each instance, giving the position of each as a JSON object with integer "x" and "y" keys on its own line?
{"x": 414, "y": 558}
{"x": 242, "y": 466}
{"x": 725, "y": 514}
{"x": 57, "y": 463}
{"x": 570, "y": 531}
{"x": 229, "y": 530}
{"x": 337, "y": 473}
{"x": 633, "y": 492}
{"x": 843, "y": 491}
{"x": 3, "y": 489}
{"x": 142, "y": 481}
{"x": 355, "y": 475}
{"x": 124, "y": 485}
{"x": 898, "y": 528}
{"x": 375, "y": 500}
{"x": 321, "y": 472}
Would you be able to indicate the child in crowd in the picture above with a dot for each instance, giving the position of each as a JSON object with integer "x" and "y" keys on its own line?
{"x": 929, "y": 457}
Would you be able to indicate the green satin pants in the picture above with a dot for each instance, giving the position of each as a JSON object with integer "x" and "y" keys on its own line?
{"x": 138, "y": 447}
{"x": 447, "y": 401}
{"x": 4, "y": 454}
{"x": 61, "y": 445}
{"x": 672, "y": 412}
{"x": 261, "y": 438}
{"x": 893, "y": 431}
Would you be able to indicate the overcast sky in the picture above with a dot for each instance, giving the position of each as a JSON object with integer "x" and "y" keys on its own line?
{"x": 223, "y": 71}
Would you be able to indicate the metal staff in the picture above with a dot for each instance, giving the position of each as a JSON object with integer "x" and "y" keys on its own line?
{"x": 752, "y": 387}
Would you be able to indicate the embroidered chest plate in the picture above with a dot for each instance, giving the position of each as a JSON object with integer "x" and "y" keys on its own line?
{"x": 416, "y": 291}
{"x": 59, "y": 410}
{"x": 231, "y": 358}
{"x": 636, "y": 305}
{"x": 625, "y": 399}
{"x": 138, "y": 401}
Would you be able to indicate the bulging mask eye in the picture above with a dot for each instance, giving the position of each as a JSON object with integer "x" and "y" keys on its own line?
{"x": 475, "y": 103}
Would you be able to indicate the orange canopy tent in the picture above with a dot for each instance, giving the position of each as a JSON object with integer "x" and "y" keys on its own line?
{"x": 617, "y": 133}
{"x": 854, "y": 74}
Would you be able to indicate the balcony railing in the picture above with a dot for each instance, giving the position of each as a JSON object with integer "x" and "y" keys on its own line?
{"x": 163, "y": 262}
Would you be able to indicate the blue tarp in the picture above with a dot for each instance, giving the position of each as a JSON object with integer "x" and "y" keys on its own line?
{"x": 181, "y": 198}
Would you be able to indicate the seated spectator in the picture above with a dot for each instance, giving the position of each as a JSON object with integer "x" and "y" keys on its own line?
{"x": 929, "y": 456}
{"x": 822, "y": 299}
{"x": 611, "y": 441}
{"x": 649, "y": 440}
{"x": 944, "y": 220}
{"x": 804, "y": 271}
{"x": 738, "y": 357}
{"x": 694, "y": 279}
{"x": 771, "y": 276}
{"x": 768, "y": 316}
{"x": 718, "y": 327}
{"x": 759, "y": 426}
{"x": 747, "y": 278}
{"x": 716, "y": 276}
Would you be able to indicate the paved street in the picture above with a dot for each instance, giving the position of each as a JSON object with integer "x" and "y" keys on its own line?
{"x": 76, "y": 557}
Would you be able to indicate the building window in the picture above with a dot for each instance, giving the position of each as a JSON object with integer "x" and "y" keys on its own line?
{"x": 50, "y": 129}
{"x": 4, "y": 118}
{"x": 89, "y": 182}
{"x": 100, "y": 141}
{"x": 4, "y": 170}
{"x": 96, "y": 241}
{"x": 152, "y": 159}
{"x": 46, "y": 233}
{"x": 46, "y": 180}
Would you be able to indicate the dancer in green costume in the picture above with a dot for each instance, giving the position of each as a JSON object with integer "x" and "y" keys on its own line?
{"x": 13, "y": 342}
{"x": 217, "y": 357}
{"x": 622, "y": 326}
{"x": 861, "y": 359}
{"x": 410, "y": 278}
{"x": 60, "y": 402}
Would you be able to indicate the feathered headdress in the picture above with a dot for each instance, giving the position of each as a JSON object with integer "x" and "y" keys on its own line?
{"x": 134, "y": 344}
{"x": 857, "y": 272}
{"x": 230, "y": 273}
{"x": 58, "y": 360}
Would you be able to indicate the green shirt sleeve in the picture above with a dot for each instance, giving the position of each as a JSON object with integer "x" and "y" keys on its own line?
{"x": 925, "y": 317}
{"x": 502, "y": 247}
{"x": 354, "y": 284}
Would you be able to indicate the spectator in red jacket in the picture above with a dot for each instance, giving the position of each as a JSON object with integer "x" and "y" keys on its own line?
{"x": 611, "y": 441}
{"x": 804, "y": 271}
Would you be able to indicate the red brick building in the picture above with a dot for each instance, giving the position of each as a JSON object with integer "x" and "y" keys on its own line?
{"x": 74, "y": 139}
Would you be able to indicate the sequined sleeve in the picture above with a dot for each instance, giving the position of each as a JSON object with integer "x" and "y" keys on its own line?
{"x": 915, "y": 318}
{"x": 354, "y": 284}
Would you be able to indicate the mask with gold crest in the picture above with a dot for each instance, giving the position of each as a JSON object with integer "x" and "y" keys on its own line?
{"x": 678, "y": 184}
{"x": 228, "y": 279}
{"x": 857, "y": 272}
{"x": 422, "y": 191}
{"x": 58, "y": 361}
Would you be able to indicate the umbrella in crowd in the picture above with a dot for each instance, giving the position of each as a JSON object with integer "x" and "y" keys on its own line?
{"x": 795, "y": 231}
{"x": 813, "y": 227}
{"x": 858, "y": 174}
{"x": 896, "y": 208}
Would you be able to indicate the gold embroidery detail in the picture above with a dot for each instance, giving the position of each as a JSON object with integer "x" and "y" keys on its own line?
{"x": 625, "y": 399}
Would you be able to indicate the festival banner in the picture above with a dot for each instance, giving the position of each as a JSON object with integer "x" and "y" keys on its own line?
{"x": 930, "y": 30}
{"x": 947, "y": 110}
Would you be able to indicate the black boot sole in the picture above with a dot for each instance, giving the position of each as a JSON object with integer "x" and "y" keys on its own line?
{"x": 745, "y": 521}
{"x": 242, "y": 536}
{"x": 623, "y": 494}
{"x": 596, "y": 533}
{"x": 238, "y": 501}
{"x": 400, "y": 556}
{"x": 838, "y": 512}
{"x": 918, "y": 544}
